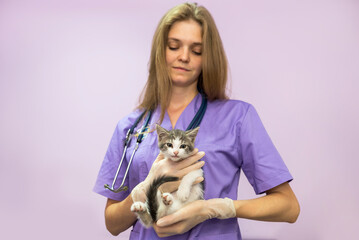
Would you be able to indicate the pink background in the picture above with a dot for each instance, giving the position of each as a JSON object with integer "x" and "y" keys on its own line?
{"x": 70, "y": 69}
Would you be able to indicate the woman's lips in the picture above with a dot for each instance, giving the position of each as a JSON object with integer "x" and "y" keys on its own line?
{"x": 181, "y": 69}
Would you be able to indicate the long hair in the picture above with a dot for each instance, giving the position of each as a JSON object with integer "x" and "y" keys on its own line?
{"x": 213, "y": 78}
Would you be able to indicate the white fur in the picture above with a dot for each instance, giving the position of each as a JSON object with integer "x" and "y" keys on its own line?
{"x": 184, "y": 189}
{"x": 186, "y": 193}
{"x": 141, "y": 210}
{"x": 170, "y": 153}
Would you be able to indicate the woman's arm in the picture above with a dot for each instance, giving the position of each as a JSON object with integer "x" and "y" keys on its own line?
{"x": 279, "y": 205}
{"x": 118, "y": 216}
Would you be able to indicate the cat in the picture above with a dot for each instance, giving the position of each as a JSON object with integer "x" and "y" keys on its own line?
{"x": 174, "y": 145}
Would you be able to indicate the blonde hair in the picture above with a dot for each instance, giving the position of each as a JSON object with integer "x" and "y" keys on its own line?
{"x": 213, "y": 78}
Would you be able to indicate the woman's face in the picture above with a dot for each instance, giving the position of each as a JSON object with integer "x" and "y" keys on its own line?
{"x": 184, "y": 52}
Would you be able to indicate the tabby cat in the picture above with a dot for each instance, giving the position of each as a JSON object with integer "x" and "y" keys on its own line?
{"x": 174, "y": 145}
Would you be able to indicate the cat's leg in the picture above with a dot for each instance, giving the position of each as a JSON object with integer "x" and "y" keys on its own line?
{"x": 187, "y": 181}
{"x": 141, "y": 210}
{"x": 138, "y": 207}
{"x": 165, "y": 201}
{"x": 167, "y": 198}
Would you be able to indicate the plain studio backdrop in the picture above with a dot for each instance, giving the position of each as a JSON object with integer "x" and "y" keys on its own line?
{"x": 70, "y": 69}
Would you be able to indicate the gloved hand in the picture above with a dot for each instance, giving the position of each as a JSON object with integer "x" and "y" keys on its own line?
{"x": 194, "y": 213}
{"x": 162, "y": 166}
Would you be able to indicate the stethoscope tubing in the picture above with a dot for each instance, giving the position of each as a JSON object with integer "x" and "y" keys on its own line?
{"x": 197, "y": 120}
{"x": 127, "y": 142}
{"x": 118, "y": 169}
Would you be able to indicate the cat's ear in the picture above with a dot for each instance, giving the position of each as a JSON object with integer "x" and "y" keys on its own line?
{"x": 192, "y": 133}
{"x": 161, "y": 132}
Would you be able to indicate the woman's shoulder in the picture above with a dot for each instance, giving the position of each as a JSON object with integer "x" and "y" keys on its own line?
{"x": 129, "y": 119}
{"x": 231, "y": 103}
{"x": 231, "y": 107}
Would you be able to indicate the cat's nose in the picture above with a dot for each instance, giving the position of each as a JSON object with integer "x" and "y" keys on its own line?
{"x": 175, "y": 153}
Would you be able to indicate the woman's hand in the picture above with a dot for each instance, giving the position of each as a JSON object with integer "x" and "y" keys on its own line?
{"x": 162, "y": 166}
{"x": 182, "y": 220}
{"x": 194, "y": 213}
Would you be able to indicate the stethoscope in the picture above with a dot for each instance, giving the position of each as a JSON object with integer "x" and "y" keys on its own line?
{"x": 194, "y": 123}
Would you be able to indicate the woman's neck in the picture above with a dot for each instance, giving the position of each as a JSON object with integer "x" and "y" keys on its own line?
{"x": 180, "y": 98}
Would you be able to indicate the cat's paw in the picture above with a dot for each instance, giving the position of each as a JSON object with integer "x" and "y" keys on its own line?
{"x": 138, "y": 207}
{"x": 183, "y": 194}
{"x": 167, "y": 198}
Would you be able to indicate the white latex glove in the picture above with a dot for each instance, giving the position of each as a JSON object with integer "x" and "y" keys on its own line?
{"x": 194, "y": 213}
{"x": 162, "y": 166}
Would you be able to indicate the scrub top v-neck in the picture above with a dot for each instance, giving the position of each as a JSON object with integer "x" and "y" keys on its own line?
{"x": 186, "y": 116}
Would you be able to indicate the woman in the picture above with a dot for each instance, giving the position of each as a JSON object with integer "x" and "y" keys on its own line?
{"x": 187, "y": 55}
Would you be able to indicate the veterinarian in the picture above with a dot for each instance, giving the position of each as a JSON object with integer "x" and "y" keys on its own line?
{"x": 188, "y": 59}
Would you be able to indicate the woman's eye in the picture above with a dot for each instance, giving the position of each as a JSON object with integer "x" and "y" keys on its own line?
{"x": 183, "y": 146}
{"x": 172, "y": 48}
{"x": 169, "y": 145}
{"x": 197, "y": 50}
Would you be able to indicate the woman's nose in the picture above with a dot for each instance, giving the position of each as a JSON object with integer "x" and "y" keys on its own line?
{"x": 184, "y": 56}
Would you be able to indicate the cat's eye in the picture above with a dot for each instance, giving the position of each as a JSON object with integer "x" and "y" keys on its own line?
{"x": 169, "y": 145}
{"x": 183, "y": 146}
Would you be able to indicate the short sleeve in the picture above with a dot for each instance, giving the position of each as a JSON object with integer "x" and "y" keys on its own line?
{"x": 261, "y": 162}
{"x": 109, "y": 167}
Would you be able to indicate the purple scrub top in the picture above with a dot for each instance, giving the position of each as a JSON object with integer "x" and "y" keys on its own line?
{"x": 233, "y": 138}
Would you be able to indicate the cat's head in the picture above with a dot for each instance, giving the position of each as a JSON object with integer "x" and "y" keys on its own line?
{"x": 176, "y": 144}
